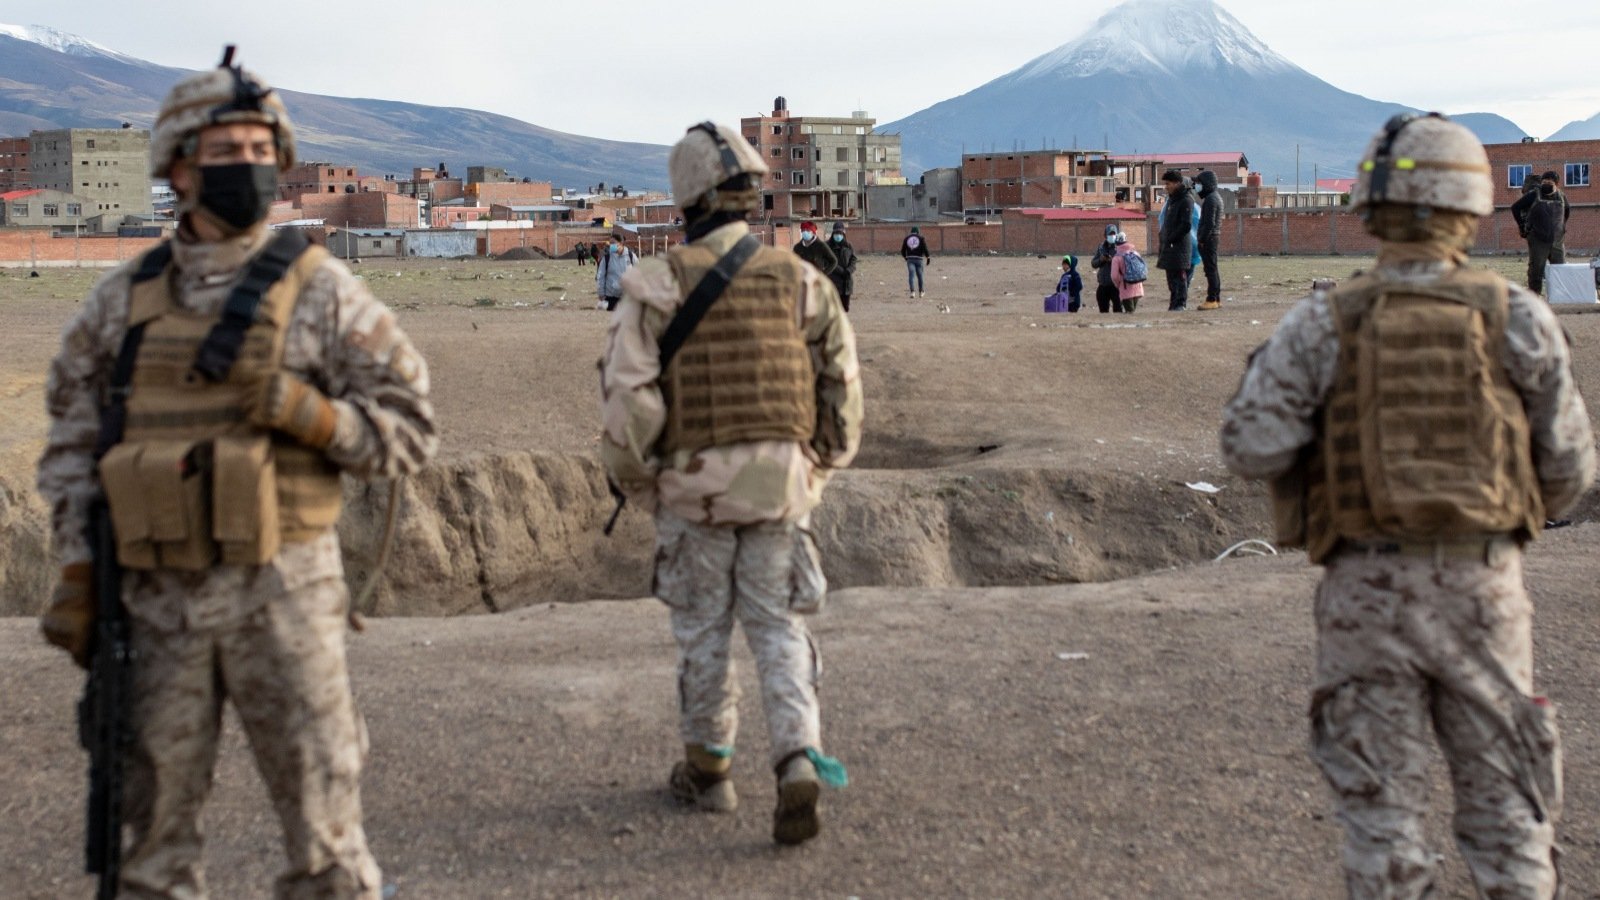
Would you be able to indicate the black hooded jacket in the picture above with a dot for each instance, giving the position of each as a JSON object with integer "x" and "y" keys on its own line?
{"x": 1210, "y": 207}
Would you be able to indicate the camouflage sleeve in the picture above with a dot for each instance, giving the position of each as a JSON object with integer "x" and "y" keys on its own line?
{"x": 375, "y": 377}
{"x": 632, "y": 411}
{"x": 1539, "y": 362}
{"x": 73, "y": 387}
{"x": 833, "y": 356}
{"x": 1273, "y": 414}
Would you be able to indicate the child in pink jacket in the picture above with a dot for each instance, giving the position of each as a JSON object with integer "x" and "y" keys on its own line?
{"x": 1130, "y": 292}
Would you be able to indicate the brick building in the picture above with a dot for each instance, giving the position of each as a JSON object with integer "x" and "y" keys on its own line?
{"x": 1056, "y": 178}
{"x": 14, "y": 170}
{"x": 1230, "y": 166}
{"x": 370, "y": 209}
{"x": 108, "y": 167}
{"x": 506, "y": 193}
{"x": 540, "y": 212}
{"x": 821, "y": 166}
{"x": 318, "y": 178}
{"x": 1576, "y": 164}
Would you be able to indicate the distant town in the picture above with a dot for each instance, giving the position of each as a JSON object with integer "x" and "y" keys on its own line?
{"x": 93, "y": 183}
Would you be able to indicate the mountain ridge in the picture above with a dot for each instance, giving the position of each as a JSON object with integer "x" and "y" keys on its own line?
{"x": 43, "y": 86}
{"x": 1166, "y": 76}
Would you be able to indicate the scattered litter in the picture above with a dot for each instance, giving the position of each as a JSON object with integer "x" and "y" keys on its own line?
{"x": 1204, "y": 487}
{"x": 1255, "y": 321}
{"x": 1099, "y": 440}
{"x": 989, "y": 354}
{"x": 519, "y": 304}
{"x": 1050, "y": 516}
{"x": 1249, "y": 546}
{"x": 1072, "y": 656}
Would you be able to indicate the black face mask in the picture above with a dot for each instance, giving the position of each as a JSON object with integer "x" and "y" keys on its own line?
{"x": 1547, "y": 189}
{"x": 240, "y": 193}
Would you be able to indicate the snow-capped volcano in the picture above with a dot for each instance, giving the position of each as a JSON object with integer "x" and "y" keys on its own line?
{"x": 60, "y": 41}
{"x": 1163, "y": 76}
{"x": 1174, "y": 36}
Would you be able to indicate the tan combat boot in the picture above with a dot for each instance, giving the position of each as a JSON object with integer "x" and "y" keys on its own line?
{"x": 795, "y": 820}
{"x": 1211, "y": 304}
{"x": 702, "y": 779}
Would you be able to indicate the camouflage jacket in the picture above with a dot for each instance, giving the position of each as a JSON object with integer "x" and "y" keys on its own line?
{"x": 1275, "y": 411}
{"x": 340, "y": 339}
{"x": 758, "y": 481}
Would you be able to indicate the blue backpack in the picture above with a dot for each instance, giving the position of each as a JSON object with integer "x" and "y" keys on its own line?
{"x": 1134, "y": 269}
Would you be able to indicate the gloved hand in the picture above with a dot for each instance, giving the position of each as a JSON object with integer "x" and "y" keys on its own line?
{"x": 69, "y": 621}
{"x": 287, "y": 404}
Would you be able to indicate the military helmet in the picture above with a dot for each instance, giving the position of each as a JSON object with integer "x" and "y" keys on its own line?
{"x": 1425, "y": 160}
{"x": 707, "y": 157}
{"x": 221, "y": 96}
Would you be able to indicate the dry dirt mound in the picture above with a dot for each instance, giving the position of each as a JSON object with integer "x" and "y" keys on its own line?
{"x": 517, "y": 254}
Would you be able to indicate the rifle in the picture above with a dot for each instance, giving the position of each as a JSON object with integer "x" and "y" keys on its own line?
{"x": 103, "y": 728}
{"x": 622, "y": 500}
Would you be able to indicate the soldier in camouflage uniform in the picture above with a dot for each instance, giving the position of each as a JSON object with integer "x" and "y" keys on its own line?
{"x": 1418, "y": 424}
{"x": 224, "y": 490}
{"x": 731, "y": 446}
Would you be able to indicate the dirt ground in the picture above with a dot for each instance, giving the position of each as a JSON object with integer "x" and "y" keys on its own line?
{"x": 524, "y": 754}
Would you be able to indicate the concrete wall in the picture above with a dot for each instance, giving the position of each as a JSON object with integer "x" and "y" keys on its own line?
{"x": 441, "y": 244}
{"x": 108, "y": 166}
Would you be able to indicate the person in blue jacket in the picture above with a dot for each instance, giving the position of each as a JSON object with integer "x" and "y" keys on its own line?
{"x": 1071, "y": 283}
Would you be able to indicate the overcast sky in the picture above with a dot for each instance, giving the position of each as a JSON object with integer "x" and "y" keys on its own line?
{"x": 644, "y": 69}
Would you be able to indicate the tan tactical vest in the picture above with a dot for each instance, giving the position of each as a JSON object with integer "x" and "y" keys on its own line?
{"x": 745, "y": 374}
{"x": 1423, "y": 436}
{"x": 192, "y": 483}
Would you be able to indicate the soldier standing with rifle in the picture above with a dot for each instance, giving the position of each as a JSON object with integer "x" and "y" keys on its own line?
{"x": 1418, "y": 424}
{"x": 211, "y": 393}
{"x": 731, "y": 392}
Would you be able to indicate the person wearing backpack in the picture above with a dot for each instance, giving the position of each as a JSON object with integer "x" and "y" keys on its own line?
{"x": 609, "y": 268}
{"x": 1105, "y": 293}
{"x": 1128, "y": 272}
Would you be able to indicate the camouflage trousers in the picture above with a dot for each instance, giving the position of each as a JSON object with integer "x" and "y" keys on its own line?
{"x": 283, "y": 666}
{"x": 708, "y": 576}
{"x": 1408, "y": 645}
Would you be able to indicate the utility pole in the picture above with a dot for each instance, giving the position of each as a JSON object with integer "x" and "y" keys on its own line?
{"x": 1296, "y": 174}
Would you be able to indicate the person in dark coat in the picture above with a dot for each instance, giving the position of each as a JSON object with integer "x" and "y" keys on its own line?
{"x": 1106, "y": 295}
{"x": 844, "y": 275}
{"x": 1176, "y": 252}
{"x": 1542, "y": 221}
{"x": 583, "y": 253}
{"x": 914, "y": 250}
{"x": 1210, "y": 234}
{"x": 814, "y": 251}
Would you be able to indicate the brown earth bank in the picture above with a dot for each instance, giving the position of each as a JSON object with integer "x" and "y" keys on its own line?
{"x": 1004, "y": 446}
{"x": 1138, "y": 738}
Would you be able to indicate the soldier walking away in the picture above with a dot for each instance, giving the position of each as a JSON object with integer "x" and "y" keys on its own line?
{"x": 729, "y": 432}
{"x": 844, "y": 276}
{"x": 1417, "y": 425}
{"x": 1541, "y": 217}
{"x": 1176, "y": 254}
{"x": 1209, "y": 235}
{"x": 814, "y": 251}
{"x": 212, "y": 391}
{"x": 914, "y": 250}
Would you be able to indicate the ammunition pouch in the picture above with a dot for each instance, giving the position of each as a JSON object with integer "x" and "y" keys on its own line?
{"x": 190, "y": 505}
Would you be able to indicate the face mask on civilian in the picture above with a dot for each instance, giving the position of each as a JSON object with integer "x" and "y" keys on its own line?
{"x": 838, "y": 239}
{"x": 807, "y": 237}
{"x": 1547, "y": 189}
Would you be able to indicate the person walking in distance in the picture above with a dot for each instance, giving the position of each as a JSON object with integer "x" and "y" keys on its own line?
{"x": 814, "y": 251}
{"x": 212, "y": 391}
{"x": 844, "y": 276}
{"x": 914, "y": 250}
{"x": 1106, "y": 295}
{"x": 614, "y": 261}
{"x": 1541, "y": 217}
{"x": 728, "y": 430}
{"x": 1176, "y": 252}
{"x": 1417, "y": 425}
{"x": 1210, "y": 235}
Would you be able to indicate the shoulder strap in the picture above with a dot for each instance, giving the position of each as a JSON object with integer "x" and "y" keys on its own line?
{"x": 221, "y": 347}
{"x": 704, "y": 294}
{"x": 114, "y": 411}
